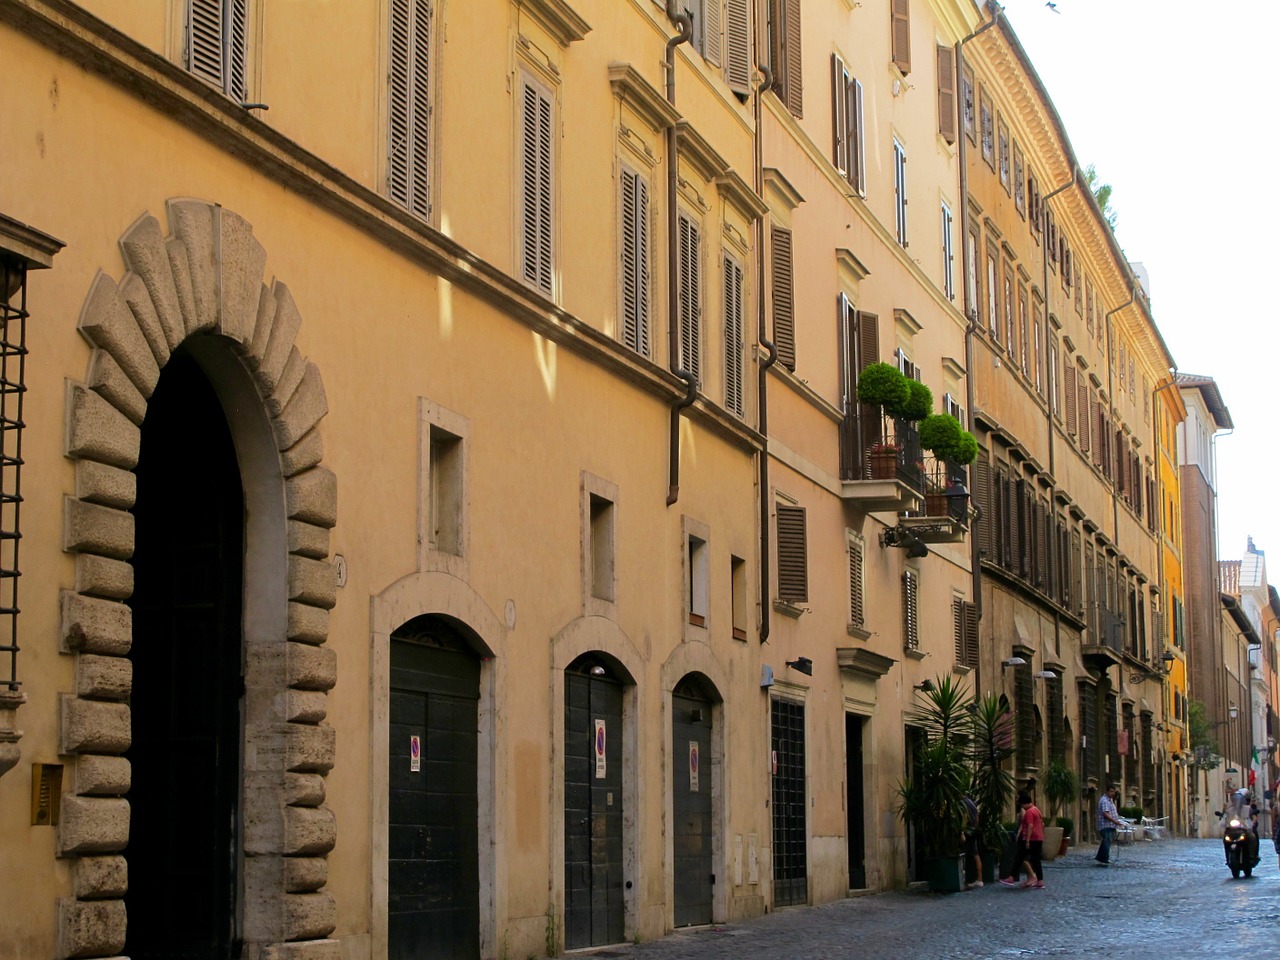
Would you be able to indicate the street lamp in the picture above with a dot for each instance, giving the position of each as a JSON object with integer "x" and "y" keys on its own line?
{"x": 1153, "y": 673}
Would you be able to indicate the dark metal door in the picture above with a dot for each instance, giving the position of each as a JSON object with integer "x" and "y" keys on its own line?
{"x": 593, "y": 913}
{"x": 433, "y": 873}
{"x": 184, "y": 816}
{"x": 691, "y": 809}
{"x": 854, "y": 804}
{"x": 790, "y": 862}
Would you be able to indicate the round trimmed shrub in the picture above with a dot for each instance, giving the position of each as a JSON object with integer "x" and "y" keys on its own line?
{"x": 883, "y": 385}
{"x": 918, "y": 404}
{"x": 940, "y": 432}
{"x": 966, "y": 449}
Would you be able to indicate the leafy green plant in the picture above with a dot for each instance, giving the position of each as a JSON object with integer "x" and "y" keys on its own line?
{"x": 931, "y": 798}
{"x": 1068, "y": 826}
{"x": 966, "y": 449}
{"x": 917, "y": 405}
{"x": 883, "y": 385}
{"x": 940, "y": 432}
{"x": 991, "y": 744}
{"x": 1061, "y": 786}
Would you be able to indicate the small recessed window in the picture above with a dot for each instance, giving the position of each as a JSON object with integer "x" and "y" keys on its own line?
{"x": 602, "y": 551}
{"x": 738, "y": 580}
{"x": 445, "y": 480}
{"x": 697, "y": 587}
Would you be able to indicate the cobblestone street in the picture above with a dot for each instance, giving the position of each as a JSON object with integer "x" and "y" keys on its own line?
{"x": 1163, "y": 900}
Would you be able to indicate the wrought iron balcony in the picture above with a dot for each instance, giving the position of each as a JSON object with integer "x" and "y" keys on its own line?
{"x": 882, "y": 463}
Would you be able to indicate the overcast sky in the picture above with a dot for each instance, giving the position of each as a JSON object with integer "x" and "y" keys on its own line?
{"x": 1173, "y": 102}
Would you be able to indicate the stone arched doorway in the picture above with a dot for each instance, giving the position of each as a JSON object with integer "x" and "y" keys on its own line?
{"x": 197, "y": 297}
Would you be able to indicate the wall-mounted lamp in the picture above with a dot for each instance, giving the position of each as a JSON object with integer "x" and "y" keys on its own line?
{"x": 926, "y": 685}
{"x": 900, "y": 536}
{"x": 1158, "y": 673}
{"x": 1013, "y": 662}
{"x": 1045, "y": 675}
{"x": 598, "y": 671}
{"x": 801, "y": 665}
{"x": 1233, "y": 711}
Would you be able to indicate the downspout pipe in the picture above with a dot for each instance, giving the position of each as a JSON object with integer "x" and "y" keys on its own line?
{"x": 762, "y": 379}
{"x": 975, "y": 555}
{"x": 685, "y": 23}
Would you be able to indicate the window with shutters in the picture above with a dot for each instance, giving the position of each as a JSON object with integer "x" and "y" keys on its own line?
{"x": 706, "y": 39}
{"x": 738, "y": 596}
{"x": 987, "y": 119}
{"x": 968, "y": 106}
{"x": 1077, "y": 286}
{"x": 1035, "y": 208}
{"x": 848, "y": 142}
{"x": 947, "y": 93}
{"x": 784, "y": 54}
{"x": 910, "y": 610}
{"x": 964, "y": 621}
{"x": 1069, "y": 387}
{"x": 952, "y": 407}
{"x": 1055, "y": 400}
{"x": 216, "y": 44}
{"x": 1057, "y": 718}
{"x": 633, "y": 268}
{"x": 537, "y": 180}
{"x": 734, "y": 348}
{"x": 783, "y": 295}
{"x": 900, "y": 189}
{"x": 1010, "y": 332}
{"x": 1025, "y": 344}
{"x": 1090, "y": 747}
{"x": 690, "y": 276}
{"x": 793, "y": 558}
{"x": 993, "y": 294}
{"x": 1005, "y": 161}
{"x": 980, "y": 474}
{"x": 861, "y": 425}
{"x": 948, "y": 255}
{"x": 857, "y": 583}
{"x": 1019, "y": 180}
{"x": 973, "y": 296}
{"x": 900, "y": 34}
{"x": 1088, "y": 305}
{"x": 1024, "y": 713}
{"x": 1077, "y": 576}
{"x": 409, "y": 106}
{"x": 738, "y": 63}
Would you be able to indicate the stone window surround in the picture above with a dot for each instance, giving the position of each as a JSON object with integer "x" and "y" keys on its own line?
{"x": 205, "y": 278}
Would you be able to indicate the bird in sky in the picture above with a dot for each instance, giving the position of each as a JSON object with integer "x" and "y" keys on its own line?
{"x": 1052, "y": 6}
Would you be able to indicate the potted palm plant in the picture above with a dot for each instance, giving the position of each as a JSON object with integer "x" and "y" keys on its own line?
{"x": 991, "y": 744}
{"x": 931, "y": 798}
{"x": 1061, "y": 787}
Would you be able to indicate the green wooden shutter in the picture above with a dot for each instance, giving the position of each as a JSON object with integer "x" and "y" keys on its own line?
{"x": 784, "y": 330}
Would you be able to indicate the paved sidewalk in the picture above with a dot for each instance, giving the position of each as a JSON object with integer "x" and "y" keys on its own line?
{"x": 1163, "y": 900}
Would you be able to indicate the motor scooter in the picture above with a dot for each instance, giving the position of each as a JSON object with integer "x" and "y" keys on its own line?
{"x": 1238, "y": 843}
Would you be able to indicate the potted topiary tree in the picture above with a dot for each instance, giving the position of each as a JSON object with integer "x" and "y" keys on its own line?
{"x": 931, "y": 798}
{"x": 940, "y": 435}
{"x": 883, "y": 385}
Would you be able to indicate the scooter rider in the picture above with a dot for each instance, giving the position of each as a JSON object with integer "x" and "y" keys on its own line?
{"x": 1244, "y": 810}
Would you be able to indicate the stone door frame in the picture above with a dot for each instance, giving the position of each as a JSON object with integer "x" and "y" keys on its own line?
{"x": 201, "y": 286}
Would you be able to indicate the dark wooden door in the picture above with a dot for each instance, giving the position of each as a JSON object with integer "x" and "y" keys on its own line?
{"x": 593, "y": 913}
{"x": 184, "y": 818}
{"x": 790, "y": 830}
{"x": 855, "y": 809}
{"x": 433, "y": 908}
{"x": 692, "y": 835}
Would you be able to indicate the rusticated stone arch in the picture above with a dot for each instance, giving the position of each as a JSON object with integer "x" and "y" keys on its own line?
{"x": 203, "y": 281}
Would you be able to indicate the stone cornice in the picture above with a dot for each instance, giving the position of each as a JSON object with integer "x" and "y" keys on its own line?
{"x": 35, "y": 248}
{"x": 557, "y": 18}
{"x": 695, "y": 148}
{"x": 630, "y": 86}
{"x": 735, "y": 192}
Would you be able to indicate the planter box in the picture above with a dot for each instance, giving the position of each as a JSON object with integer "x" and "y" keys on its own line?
{"x": 1052, "y": 844}
{"x": 945, "y": 874}
{"x": 884, "y": 463}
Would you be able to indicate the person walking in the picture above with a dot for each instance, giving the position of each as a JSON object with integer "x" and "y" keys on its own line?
{"x": 1275, "y": 817}
{"x": 973, "y": 859}
{"x": 1108, "y": 820}
{"x": 1030, "y": 837}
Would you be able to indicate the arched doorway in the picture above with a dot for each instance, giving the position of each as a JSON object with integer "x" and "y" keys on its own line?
{"x": 433, "y": 842}
{"x": 692, "y": 800}
{"x": 594, "y": 910}
{"x": 184, "y": 898}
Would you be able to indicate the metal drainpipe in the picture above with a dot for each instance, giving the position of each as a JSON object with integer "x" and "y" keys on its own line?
{"x": 975, "y": 555}
{"x": 762, "y": 335}
{"x": 685, "y": 23}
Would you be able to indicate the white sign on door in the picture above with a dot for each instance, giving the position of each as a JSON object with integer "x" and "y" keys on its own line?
{"x": 600, "y": 743}
{"x": 693, "y": 766}
{"x": 415, "y": 754}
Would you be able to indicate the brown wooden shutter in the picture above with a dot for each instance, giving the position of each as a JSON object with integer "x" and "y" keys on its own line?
{"x": 237, "y": 49}
{"x": 793, "y": 564}
{"x": 536, "y": 179}
{"x": 900, "y": 16}
{"x": 970, "y": 634}
{"x": 1040, "y": 571}
{"x": 690, "y": 298}
{"x": 857, "y": 156}
{"x": 910, "y": 611}
{"x": 868, "y": 353}
{"x": 737, "y": 45}
{"x": 635, "y": 261}
{"x": 733, "y": 338}
{"x": 839, "y": 117}
{"x": 205, "y": 49}
{"x": 957, "y": 624}
{"x": 1069, "y": 384}
{"x": 794, "y": 61}
{"x": 980, "y": 476}
{"x": 784, "y": 321}
{"x": 857, "y": 610}
{"x": 1077, "y": 587}
{"x": 947, "y": 93}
